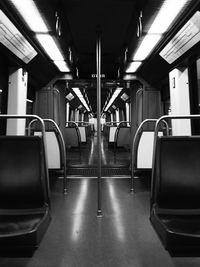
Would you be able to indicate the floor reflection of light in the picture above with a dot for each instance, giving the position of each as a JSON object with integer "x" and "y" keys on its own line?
{"x": 77, "y": 222}
{"x": 117, "y": 221}
{"x": 91, "y": 156}
{"x": 103, "y": 155}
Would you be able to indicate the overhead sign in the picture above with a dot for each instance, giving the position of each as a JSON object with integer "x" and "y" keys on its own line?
{"x": 187, "y": 37}
{"x": 95, "y": 76}
{"x": 11, "y": 38}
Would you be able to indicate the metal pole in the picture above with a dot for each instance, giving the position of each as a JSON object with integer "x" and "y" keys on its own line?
{"x": 98, "y": 60}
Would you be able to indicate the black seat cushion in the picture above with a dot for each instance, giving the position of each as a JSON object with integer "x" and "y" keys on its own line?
{"x": 177, "y": 232}
{"x": 23, "y": 229}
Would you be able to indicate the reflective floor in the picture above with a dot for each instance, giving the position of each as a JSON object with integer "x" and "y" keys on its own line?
{"x": 89, "y": 155}
{"x": 123, "y": 237}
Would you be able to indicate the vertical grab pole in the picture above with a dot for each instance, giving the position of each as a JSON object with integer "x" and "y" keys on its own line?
{"x": 98, "y": 61}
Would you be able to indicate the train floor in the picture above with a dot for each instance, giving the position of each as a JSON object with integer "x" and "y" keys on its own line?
{"x": 87, "y": 156}
{"x": 76, "y": 237}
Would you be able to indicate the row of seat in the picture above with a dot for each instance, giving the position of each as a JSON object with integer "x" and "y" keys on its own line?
{"x": 175, "y": 193}
{"x": 118, "y": 135}
{"x": 76, "y": 133}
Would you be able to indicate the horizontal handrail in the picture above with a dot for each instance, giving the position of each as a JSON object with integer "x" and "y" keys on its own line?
{"x": 82, "y": 123}
{"x": 72, "y": 122}
{"x": 114, "y": 122}
{"x": 122, "y": 122}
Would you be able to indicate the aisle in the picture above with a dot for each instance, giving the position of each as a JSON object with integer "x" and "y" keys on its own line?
{"x": 89, "y": 158}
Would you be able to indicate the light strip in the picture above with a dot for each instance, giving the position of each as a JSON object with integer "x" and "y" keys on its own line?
{"x": 165, "y": 17}
{"x": 53, "y": 51}
{"x": 114, "y": 96}
{"x": 31, "y": 15}
{"x": 80, "y": 96}
{"x": 36, "y": 22}
{"x": 62, "y": 65}
{"x": 147, "y": 45}
{"x": 168, "y": 12}
{"x": 50, "y": 47}
{"x": 133, "y": 66}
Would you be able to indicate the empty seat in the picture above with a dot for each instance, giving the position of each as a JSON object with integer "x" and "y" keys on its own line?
{"x": 72, "y": 137}
{"x": 24, "y": 200}
{"x": 111, "y": 135}
{"x": 122, "y": 136}
{"x": 53, "y": 149}
{"x": 175, "y": 203}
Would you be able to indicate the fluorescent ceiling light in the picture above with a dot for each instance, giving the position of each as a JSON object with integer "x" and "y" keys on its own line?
{"x": 114, "y": 107}
{"x": 165, "y": 17}
{"x": 80, "y": 96}
{"x": 146, "y": 46}
{"x": 114, "y": 96}
{"x": 50, "y": 46}
{"x": 70, "y": 96}
{"x": 62, "y": 65}
{"x": 133, "y": 66}
{"x": 124, "y": 97}
{"x": 31, "y": 15}
{"x": 168, "y": 12}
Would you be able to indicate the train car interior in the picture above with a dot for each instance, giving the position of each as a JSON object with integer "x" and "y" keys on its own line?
{"x": 99, "y": 133}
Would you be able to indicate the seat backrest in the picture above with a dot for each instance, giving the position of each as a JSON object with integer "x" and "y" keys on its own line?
{"x": 71, "y": 137}
{"x": 177, "y": 173}
{"x": 123, "y": 136}
{"x": 112, "y": 131}
{"x": 53, "y": 149}
{"x": 22, "y": 175}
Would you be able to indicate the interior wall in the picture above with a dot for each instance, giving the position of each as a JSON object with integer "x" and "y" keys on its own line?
{"x": 17, "y": 95}
{"x": 180, "y": 100}
{"x": 4, "y": 74}
{"x": 62, "y": 103}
